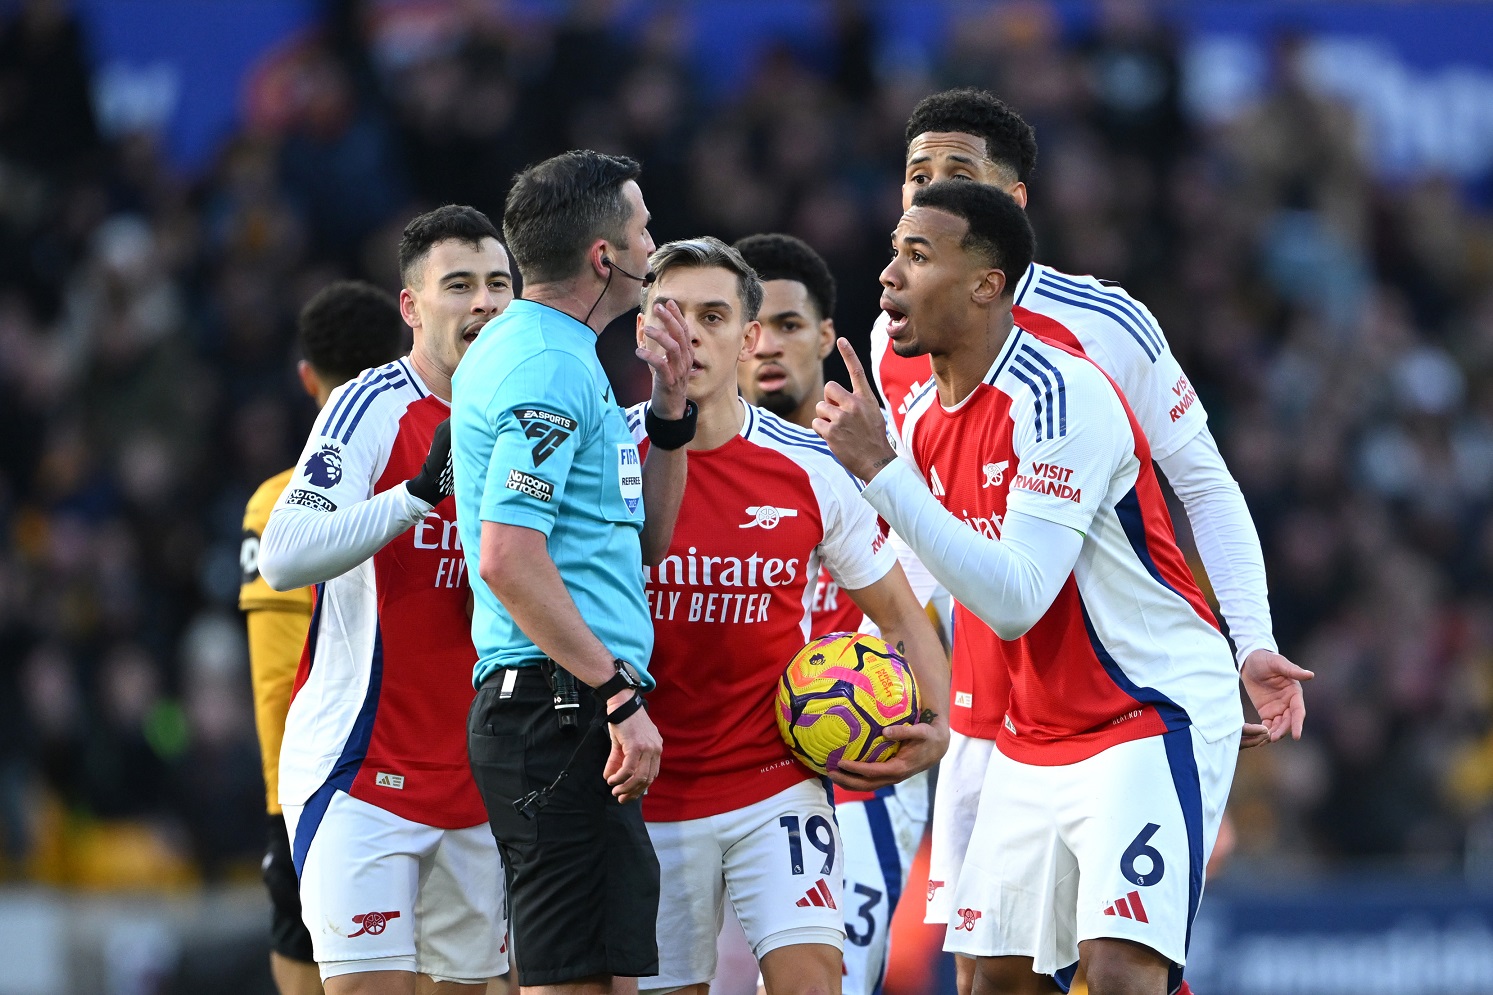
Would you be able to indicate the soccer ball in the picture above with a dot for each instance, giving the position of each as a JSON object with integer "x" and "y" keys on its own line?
{"x": 837, "y": 696}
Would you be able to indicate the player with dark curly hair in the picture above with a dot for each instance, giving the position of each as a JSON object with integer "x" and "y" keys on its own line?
{"x": 995, "y": 134}
{"x": 880, "y": 829}
{"x": 344, "y": 330}
{"x": 786, "y": 374}
{"x": 971, "y": 136}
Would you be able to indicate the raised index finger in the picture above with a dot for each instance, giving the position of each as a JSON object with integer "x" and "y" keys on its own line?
{"x": 858, "y": 381}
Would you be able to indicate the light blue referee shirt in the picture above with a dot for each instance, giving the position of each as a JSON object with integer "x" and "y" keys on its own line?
{"x": 538, "y": 440}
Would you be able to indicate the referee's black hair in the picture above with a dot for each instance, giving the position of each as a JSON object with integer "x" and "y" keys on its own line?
{"x": 557, "y": 208}
{"x": 348, "y": 327}
{"x": 1009, "y": 140}
{"x": 784, "y": 257}
{"x": 454, "y": 221}
{"x": 998, "y": 227}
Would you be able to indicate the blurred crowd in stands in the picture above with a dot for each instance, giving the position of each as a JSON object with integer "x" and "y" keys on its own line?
{"x": 1339, "y": 330}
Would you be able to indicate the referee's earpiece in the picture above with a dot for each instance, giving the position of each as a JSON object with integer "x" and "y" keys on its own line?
{"x": 646, "y": 279}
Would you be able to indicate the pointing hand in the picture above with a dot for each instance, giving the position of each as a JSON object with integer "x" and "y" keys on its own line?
{"x": 851, "y": 421}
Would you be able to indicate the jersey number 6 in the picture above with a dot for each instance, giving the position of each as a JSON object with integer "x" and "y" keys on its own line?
{"x": 1141, "y": 847}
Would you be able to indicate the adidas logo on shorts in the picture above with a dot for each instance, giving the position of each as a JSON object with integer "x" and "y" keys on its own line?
{"x": 818, "y": 895}
{"x": 1128, "y": 907}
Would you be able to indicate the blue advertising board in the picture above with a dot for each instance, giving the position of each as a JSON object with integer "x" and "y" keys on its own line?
{"x": 1345, "y": 937}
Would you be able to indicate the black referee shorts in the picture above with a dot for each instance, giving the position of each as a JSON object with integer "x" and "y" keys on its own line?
{"x": 582, "y": 875}
{"x": 288, "y": 935}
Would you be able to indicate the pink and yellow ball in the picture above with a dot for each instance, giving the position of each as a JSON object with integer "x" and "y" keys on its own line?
{"x": 838, "y": 695}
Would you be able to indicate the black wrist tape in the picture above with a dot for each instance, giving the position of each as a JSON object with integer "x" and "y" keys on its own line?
{"x": 671, "y": 434}
{"x": 624, "y": 711}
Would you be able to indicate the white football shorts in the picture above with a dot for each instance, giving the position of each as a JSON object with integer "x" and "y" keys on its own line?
{"x": 961, "y": 777}
{"x": 1111, "y": 847}
{"x": 382, "y": 893}
{"x": 779, "y": 861}
{"x": 881, "y": 835}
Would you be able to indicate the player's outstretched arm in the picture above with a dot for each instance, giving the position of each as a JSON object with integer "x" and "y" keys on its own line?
{"x": 890, "y": 603}
{"x": 322, "y": 526}
{"x": 304, "y": 546}
{"x": 670, "y": 354}
{"x": 1230, "y": 549}
{"x": 515, "y": 564}
{"x": 1226, "y": 539}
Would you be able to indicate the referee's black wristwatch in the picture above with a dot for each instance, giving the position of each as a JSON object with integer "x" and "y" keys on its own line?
{"x": 622, "y": 680}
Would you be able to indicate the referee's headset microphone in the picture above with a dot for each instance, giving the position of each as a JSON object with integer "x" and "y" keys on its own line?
{"x": 646, "y": 280}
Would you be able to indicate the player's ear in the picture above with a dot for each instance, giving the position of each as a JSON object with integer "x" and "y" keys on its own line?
{"x": 989, "y": 289}
{"x": 309, "y": 381}
{"x": 826, "y": 337}
{"x": 749, "y": 341}
{"x": 599, "y": 258}
{"x": 643, "y": 321}
{"x": 1018, "y": 194}
{"x": 407, "y": 309}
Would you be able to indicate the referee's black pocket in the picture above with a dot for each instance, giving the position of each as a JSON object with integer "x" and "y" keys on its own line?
{"x": 498, "y": 769}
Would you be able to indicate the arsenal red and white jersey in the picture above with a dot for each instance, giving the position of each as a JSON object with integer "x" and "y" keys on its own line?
{"x": 731, "y": 605}
{"x": 1129, "y": 648}
{"x": 380, "y": 703}
{"x": 1120, "y": 335}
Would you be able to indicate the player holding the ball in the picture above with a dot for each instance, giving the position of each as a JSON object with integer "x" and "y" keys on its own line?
{"x": 785, "y": 374}
{"x": 1110, "y": 773}
{"x": 732, "y": 813}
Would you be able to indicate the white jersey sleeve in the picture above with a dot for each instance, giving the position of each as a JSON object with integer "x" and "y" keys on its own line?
{"x": 328, "y": 520}
{"x": 1122, "y": 336}
{"x": 1069, "y": 435}
{"x": 1010, "y": 582}
{"x": 1226, "y": 539}
{"x": 853, "y": 548}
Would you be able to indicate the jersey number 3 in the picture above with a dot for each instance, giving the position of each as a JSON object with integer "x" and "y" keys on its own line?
{"x": 873, "y": 897}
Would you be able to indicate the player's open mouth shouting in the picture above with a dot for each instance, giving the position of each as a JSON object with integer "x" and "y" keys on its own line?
{"x": 896, "y": 310}
{"x": 469, "y": 334}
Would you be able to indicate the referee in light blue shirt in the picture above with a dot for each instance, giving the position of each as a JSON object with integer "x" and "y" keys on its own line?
{"x": 557, "y": 517}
